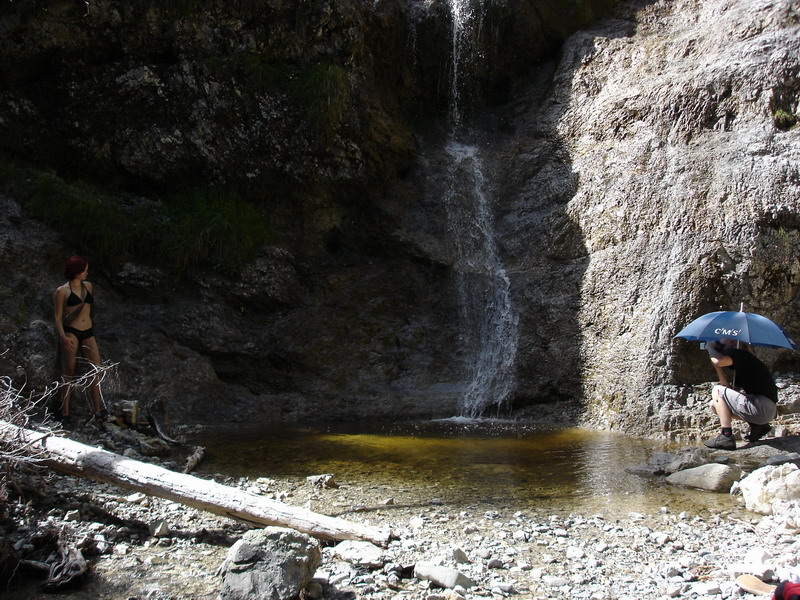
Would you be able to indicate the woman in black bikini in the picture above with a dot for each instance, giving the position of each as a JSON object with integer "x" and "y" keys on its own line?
{"x": 73, "y": 317}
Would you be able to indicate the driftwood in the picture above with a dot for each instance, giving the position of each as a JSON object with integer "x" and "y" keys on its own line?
{"x": 68, "y": 572}
{"x": 71, "y": 457}
{"x": 194, "y": 459}
{"x": 155, "y": 416}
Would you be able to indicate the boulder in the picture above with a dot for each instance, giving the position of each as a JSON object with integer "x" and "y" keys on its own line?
{"x": 269, "y": 564}
{"x": 764, "y": 486}
{"x": 688, "y": 460}
{"x": 711, "y": 477}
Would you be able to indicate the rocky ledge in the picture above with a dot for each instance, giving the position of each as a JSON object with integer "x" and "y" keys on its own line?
{"x": 146, "y": 547}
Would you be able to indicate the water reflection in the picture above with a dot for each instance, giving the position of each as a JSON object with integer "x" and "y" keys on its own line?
{"x": 461, "y": 462}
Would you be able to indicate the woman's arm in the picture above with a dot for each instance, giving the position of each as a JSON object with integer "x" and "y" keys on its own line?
{"x": 58, "y": 311}
{"x": 59, "y": 300}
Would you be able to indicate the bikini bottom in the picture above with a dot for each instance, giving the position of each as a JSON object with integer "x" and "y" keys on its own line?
{"x": 81, "y": 335}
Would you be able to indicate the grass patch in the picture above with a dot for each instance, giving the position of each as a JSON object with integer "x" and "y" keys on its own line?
{"x": 784, "y": 120}
{"x": 214, "y": 228}
{"x": 324, "y": 91}
{"x": 93, "y": 224}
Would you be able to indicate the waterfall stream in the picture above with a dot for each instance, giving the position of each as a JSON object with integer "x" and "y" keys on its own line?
{"x": 489, "y": 320}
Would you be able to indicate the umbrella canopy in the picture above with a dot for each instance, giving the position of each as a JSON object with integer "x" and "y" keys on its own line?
{"x": 749, "y": 328}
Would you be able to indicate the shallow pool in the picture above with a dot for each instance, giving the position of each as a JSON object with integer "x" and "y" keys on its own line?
{"x": 462, "y": 463}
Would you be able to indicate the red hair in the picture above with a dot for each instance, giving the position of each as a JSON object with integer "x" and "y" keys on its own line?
{"x": 75, "y": 266}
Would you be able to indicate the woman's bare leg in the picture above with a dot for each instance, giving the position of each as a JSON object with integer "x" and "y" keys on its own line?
{"x": 68, "y": 359}
{"x": 91, "y": 352}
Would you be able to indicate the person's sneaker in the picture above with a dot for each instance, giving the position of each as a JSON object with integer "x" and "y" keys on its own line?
{"x": 757, "y": 432}
{"x": 722, "y": 442}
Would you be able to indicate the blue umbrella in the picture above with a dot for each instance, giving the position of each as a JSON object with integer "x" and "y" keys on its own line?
{"x": 749, "y": 328}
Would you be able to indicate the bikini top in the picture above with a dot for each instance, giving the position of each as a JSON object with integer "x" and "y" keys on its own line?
{"x": 74, "y": 299}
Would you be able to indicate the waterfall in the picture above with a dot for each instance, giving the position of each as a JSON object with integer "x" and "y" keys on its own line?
{"x": 488, "y": 317}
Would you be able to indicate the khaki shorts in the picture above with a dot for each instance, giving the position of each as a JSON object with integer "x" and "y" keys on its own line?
{"x": 750, "y": 407}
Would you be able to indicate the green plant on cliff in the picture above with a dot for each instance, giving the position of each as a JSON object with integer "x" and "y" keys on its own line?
{"x": 215, "y": 228}
{"x": 321, "y": 91}
{"x": 324, "y": 92}
{"x": 784, "y": 120}
{"x": 87, "y": 219}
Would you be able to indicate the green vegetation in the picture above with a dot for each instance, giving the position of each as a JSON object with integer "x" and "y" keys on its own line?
{"x": 321, "y": 91}
{"x": 206, "y": 228}
{"x": 324, "y": 92}
{"x": 215, "y": 228}
{"x": 94, "y": 224}
{"x": 784, "y": 120}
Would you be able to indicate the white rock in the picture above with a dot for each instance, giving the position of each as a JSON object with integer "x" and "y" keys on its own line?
{"x": 325, "y": 480}
{"x": 442, "y": 576}
{"x": 574, "y": 553}
{"x": 764, "y": 486}
{"x": 159, "y": 528}
{"x": 706, "y": 588}
{"x": 757, "y": 555}
{"x": 121, "y": 549}
{"x": 360, "y": 553}
{"x": 72, "y": 515}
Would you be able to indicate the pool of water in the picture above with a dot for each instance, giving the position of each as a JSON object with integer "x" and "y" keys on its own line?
{"x": 467, "y": 463}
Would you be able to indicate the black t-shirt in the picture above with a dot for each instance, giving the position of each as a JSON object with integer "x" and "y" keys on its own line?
{"x": 752, "y": 375}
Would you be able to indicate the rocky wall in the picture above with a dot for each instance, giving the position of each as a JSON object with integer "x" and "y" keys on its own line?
{"x": 684, "y": 195}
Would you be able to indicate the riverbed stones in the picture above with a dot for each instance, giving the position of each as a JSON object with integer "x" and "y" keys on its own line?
{"x": 326, "y": 480}
{"x": 274, "y": 563}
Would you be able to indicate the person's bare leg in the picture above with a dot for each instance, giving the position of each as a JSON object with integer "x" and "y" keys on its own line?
{"x": 91, "y": 352}
{"x": 721, "y": 408}
{"x": 67, "y": 371}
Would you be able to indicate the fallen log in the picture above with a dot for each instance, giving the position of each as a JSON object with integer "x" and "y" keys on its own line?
{"x": 71, "y": 457}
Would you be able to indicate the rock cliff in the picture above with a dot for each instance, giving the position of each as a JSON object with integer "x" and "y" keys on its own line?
{"x": 637, "y": 172}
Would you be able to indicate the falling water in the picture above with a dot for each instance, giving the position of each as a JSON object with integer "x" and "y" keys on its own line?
{"x": 490, "y": 322}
